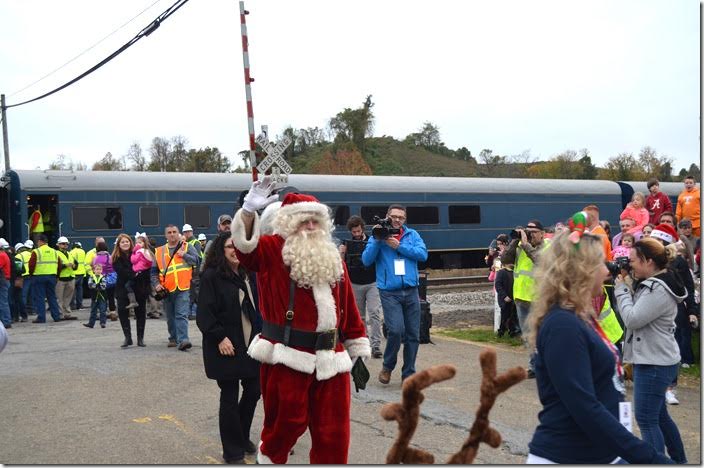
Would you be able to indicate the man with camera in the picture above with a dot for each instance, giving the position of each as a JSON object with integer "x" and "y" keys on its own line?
{"x": 395, "y": 250}
{"x": 363, "y": 281}
{"x": 527, "y": 244}
{"x": 171, "y": 277}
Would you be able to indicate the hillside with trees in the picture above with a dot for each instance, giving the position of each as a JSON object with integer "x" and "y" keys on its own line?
{"x": 347, "y": 146}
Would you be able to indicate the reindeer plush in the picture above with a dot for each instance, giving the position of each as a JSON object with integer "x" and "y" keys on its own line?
{"x": 407, "y": 412}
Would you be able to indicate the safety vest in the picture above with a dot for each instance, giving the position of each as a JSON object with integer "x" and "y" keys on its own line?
{"x": 80, "y": 256}
{"x": 608, "y": 321}
{"x": 66, "y": 265}
{"x": 25, "y": 255}
{"x": 178, "y": 275}
{"x": 47, "y": 261}
{"x": 523, "y": 281}
{"x": 88, "y": 261}
{"x": 40, "y": 222}
{"x": 47, "y": 222}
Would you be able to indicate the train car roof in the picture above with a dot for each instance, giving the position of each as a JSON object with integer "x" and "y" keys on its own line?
{"x": 671, "y": 189}
{"x": 179, "y": 181}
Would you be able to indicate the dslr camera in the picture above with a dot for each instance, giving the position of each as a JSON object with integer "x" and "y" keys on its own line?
{"x": 160, "y": 295}
{"x": 383, "y": 228}
{"x": 515, "y": 233}
{"x": 619, "y": 263}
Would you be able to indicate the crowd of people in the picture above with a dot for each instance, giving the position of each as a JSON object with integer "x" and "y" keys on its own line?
{"x": 289, "y": 315}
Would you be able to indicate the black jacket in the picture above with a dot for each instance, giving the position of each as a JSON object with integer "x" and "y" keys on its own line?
{"x": 219, "y": 316}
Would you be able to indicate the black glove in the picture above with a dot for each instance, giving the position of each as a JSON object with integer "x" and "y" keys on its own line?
{"x": 360, "y": 375}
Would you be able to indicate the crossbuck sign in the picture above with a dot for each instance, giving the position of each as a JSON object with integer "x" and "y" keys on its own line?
{"x": 274, "y": 157}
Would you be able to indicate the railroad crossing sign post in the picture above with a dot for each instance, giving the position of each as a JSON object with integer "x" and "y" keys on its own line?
{"x": 275, "y": 158}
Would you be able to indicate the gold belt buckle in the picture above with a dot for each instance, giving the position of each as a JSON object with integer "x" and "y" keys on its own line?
{"x": 334, "y": 337}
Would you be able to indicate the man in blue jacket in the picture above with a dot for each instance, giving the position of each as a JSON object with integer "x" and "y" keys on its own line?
{"x": 396, "y": 253}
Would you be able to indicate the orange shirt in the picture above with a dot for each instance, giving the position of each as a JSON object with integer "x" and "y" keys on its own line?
{"x": 599, "y": 231}
{"x": 688, "y": 206}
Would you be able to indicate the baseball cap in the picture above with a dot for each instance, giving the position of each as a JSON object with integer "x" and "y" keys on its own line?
{"x": 224, "y": 218}
{"x": 685, "y": 223}
{"x": 186, "y": 227}
{"x": 62, "y": 240}
{"x": 535, "y": 224}
{"x": 202, "y": 237}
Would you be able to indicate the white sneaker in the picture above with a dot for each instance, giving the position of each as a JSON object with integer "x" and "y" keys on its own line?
{"x": 671, "y": 398}
{"x": 685, "y": 365}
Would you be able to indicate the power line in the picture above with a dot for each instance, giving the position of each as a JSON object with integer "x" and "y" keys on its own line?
{"x": 87, "y": 50}
{"x": 143, "y": 33}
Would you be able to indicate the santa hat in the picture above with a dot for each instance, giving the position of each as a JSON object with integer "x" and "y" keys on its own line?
{"x": 666, "y": 233}
{"x": 294, "y": 209}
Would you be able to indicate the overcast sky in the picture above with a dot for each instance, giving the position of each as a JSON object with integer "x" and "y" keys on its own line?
{"x": 543, "y": 76}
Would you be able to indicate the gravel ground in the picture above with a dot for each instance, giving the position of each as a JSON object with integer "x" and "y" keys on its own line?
{"x": 462, "y": 309}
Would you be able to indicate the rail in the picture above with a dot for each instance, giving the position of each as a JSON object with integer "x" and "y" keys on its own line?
{"x": 479, "y": 281}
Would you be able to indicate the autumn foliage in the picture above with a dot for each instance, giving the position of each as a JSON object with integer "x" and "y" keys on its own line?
{"x": 342, "y": 162}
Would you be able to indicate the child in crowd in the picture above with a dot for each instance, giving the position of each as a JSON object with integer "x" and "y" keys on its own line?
{"x": 504, "y": 295}
{"x": 96, "y": 281}
{"x": 624, "y": 250}
{"x": 141, "y": 265}
{"x": 636, "y": 211}
{"x": 648, "y": 229}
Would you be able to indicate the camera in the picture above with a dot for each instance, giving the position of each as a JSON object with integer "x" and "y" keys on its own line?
{"x": 160, "y": 295}
{"x": 515, "y": 233}
{"x": 619, "y": 263}
{"x": 383, "y": 228}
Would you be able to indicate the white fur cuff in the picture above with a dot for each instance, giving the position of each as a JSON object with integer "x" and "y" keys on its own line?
{"x": 239, "y": 237}
{"x": 261, "y": 458}
{"x": 358, "y": 347}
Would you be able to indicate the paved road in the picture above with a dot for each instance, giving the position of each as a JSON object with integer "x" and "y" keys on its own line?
{"x": 70, "y": 395}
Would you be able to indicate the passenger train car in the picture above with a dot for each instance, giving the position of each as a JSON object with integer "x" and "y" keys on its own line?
{"x": 456, "y": 217}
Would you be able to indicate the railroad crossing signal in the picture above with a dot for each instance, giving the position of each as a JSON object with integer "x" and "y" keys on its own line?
{"x": 274, "y": 157}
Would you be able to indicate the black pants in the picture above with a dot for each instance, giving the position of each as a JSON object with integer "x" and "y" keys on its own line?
{"x": 141, "y": 284}
{"x": 236, "y": 416}
{"x": 110, "y": 293}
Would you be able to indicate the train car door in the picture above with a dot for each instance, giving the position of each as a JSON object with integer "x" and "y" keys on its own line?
{"x": 42, "y": 216}
{"x": 5, "y": 222}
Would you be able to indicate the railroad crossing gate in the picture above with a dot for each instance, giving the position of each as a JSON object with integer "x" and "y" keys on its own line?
{"x": 274, "y": 157}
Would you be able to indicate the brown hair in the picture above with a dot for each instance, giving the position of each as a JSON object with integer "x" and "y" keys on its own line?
{"x": 116, "y": 252}
{"x": 355, "y": 221}
{"x": 652, "y": 249}
{"x": 652, "y": 182}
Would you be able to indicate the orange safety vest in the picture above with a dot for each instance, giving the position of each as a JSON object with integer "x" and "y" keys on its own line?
{"x": 178, "y": 275}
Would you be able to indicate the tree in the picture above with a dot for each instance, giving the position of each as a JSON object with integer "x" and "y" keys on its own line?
{"x": 428, "y": 136}
{"x": 346, "y": 162}
{"x": 653, "y": 165}
{"x": 64, "y": 163}
{"x": 623, "y": 167}
{"x": 206, "y": 160}
{"x": 588, "y": 169}
{"x": 693, "y": 170}
{"x": 109, "y": 163}
{"x": 160, "y": 152}
{"x": 353, "y": 125}
{"x": 136, "y": 157}
{"x": 464, "y": 154}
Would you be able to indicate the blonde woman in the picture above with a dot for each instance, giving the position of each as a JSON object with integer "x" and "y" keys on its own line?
{"x": 578, "y": 370}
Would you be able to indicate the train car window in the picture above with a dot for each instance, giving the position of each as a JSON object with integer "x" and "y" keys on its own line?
{"x": 149, "y": 216}
{"x": 422, "y": 215}
{"x": 340, "y": 214}
{"x": 197, "y": 216}
{"x": 465, "y": 214}
{"x": 368, "y": 212}
{"x": 90, "y": 218}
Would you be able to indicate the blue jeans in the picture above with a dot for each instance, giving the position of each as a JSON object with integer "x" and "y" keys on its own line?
{"x": 522, "y": 310}
{"x": 5, "y": 315}
{"x": 100, "y": 306}
{"x": 78, "y": 295}
{"x": 26, "y": 298}
{"x": 402, "y": 318}
{"x": 656, "y": 427}
{"x": 44, "y": 286}
{"x": 176, "y": 307}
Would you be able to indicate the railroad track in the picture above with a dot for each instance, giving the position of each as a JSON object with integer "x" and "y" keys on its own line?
{"x": 457, "y": 282}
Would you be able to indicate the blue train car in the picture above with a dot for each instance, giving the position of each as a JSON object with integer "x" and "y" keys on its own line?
{"x": 457, "y": 217}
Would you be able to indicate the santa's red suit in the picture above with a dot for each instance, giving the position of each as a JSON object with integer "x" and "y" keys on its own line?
{"x": 301, "y": 387}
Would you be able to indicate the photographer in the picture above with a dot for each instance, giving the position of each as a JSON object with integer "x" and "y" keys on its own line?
{"x": 527, "y": 244}
{"x": 363, "y": 282}
{"x": 396, "y": 249}
{"x": 649, "y": 315}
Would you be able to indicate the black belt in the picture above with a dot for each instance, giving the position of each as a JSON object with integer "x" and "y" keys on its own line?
{"x": 304, "y": 339}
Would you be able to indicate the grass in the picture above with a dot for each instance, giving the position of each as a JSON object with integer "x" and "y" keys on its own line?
{"x": 480, "y": 335}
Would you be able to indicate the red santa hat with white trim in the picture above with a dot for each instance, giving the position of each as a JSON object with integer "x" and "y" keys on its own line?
{"x": 665, "y": 233}
{"x": 295, "y": 208}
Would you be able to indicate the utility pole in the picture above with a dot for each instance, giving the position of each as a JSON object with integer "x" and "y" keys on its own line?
{"x": 5, "y": 142}
{"x": 248, "y": 91}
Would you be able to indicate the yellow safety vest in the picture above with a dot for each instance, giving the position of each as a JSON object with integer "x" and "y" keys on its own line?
{"x": 88, "y": 261}
{"x": 25, "y": 255}
{"x": 40, "y": 223}
{"x": 608, "y": 321}
{"x": 80, "y": 256}
{"x": 66, "y": 265}
{"x": 47, "y": 261}
{"x": 523, "y": 282}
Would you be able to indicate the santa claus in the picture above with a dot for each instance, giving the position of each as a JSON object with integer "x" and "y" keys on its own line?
{"x": 311, "y": 329}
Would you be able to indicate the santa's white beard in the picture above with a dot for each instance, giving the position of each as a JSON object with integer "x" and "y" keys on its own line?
{"x": 313, "y": 258}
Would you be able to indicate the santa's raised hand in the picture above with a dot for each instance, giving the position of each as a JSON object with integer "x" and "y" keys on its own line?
{"x": 259, "y": 195}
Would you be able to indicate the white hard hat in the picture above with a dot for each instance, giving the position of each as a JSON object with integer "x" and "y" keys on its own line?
{"x": 4, "y": 244}
{"x": 62, "y": 240}
{"x": 186, "y": 227}
{"x": 19, "y": 245}
{"x": 202, "y": 237}
{"x": 29, "y": 244}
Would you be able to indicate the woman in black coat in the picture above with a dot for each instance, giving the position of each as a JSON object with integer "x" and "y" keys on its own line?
{"x": 122, "y": 264}
{"x": 227, "y": 318}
